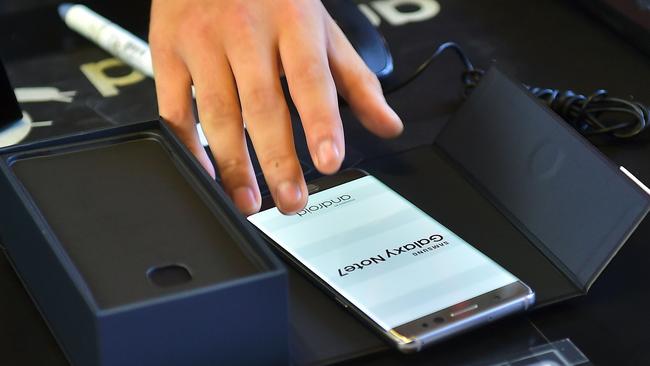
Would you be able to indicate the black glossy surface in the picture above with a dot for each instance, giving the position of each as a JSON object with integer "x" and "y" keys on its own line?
{"x": 552, "y": 43}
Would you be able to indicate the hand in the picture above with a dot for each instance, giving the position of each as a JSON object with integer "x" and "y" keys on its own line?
{"x": 234, "y": 53}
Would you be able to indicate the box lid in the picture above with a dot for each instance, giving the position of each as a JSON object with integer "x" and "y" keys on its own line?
{"x": 574, "y": 204}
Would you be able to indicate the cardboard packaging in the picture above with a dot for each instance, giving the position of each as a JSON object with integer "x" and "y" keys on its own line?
{"x": 134, "y": 256}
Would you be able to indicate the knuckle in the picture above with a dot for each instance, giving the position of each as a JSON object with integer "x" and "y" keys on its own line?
{"x": 364, "y": 84}
{"x": 160, "y": 45}
{"x": 276, "y": 159}
{"x": 312, "y": 74}
{"x": 220, "y": 119}
{"x": 176, "y": 117}
{"x": 319, "y": 119}
{"x": 155, "y": 39}
{"x": 322, "y": 131}
{"x": 294, "y": 12}
{"x": 181, "y": 126}
{"x": 369, "y": 79}
{"x": 196, "y": 31}
{"x": 232, "y": 167}
{"x": 240, "y": 17}
{"x": 218, "y": 109}
{"x": 260, "y": 100}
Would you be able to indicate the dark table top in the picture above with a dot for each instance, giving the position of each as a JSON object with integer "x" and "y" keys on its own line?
{"x": 549, "y": 43}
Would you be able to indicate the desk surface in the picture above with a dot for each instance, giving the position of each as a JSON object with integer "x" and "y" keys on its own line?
{"x": 549, "y": 43}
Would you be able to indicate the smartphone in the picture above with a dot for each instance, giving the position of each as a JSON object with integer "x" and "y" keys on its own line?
{"x": 399, "y": 270}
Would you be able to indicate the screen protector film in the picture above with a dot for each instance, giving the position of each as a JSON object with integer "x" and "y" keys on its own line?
{"x": 381, "y": 253}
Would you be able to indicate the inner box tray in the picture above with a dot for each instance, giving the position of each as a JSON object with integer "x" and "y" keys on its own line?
{"x": 135, "y": 257}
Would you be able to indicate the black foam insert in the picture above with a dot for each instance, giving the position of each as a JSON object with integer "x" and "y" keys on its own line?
{"x": 122, "y": 209}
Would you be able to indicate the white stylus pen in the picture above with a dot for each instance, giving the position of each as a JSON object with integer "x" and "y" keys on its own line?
{"x": 111, "y": 37}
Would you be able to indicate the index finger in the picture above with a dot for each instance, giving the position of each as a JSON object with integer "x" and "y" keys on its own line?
{"x": 173, "y": 91}
{"x": 303, "y": 53}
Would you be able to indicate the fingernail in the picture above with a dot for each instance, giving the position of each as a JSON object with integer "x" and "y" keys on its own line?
{"x": 288, "y": 195}
{"x": 397, "y": 122}
{"x": 393, "y": 114}
{"x": 245, "y": 199}
{"x": 327, "y": 154}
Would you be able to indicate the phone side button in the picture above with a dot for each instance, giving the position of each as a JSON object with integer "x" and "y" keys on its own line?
{"x": 341, "y": 302}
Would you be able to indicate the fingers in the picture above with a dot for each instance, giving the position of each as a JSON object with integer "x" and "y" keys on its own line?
{"x": 173, "y": 90}
{"x": 254, "y": 64}
{"x": 236, "y": 76}
{"x": 312, "y": 88}
{"x": 220, "y": 115}
{"x": 359, "y": 86}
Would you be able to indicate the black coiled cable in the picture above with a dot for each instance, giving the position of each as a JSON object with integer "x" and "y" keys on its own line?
{"x": 595, "y": 114}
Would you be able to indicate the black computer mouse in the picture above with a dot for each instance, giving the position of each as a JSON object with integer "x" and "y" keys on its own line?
{"x": 363, "y": 36}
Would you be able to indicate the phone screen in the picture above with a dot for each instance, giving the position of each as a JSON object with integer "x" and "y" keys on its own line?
{"x": 384, "y": 255}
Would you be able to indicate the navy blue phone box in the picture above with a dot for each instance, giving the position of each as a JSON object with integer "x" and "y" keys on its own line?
{"x": 135, "y": 256}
